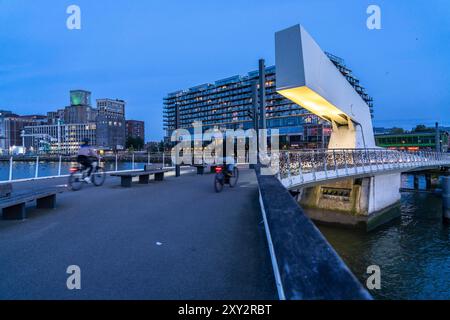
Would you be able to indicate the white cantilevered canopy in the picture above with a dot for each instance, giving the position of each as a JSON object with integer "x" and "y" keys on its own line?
{"x": 306, "y": 76}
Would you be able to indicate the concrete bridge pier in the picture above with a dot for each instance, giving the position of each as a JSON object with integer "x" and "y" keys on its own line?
{"x": 428, "y": 181}
{"x": 365, "y": 202}
{"x": 416, "y": 182}
{"x": 446, "y": 198}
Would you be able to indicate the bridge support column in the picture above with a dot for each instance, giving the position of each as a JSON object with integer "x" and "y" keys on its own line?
{"x": 416, "y": 182}
{"x": 428, "y": 182}
{"x": 367, "y": 202}
{"x": 446, "y": 198}
{"x": 384, "y": 196}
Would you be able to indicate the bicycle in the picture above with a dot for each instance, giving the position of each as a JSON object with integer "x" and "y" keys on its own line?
{"x": 224, "y": 177}
{"x": 79, "y": 173}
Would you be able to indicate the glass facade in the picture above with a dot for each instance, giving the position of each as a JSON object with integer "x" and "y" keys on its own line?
{"x": 413, "y": 141}
{"x": 226, "y": 103}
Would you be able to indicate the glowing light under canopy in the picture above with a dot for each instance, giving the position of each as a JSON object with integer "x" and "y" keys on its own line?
{"x": 314, "y": 102}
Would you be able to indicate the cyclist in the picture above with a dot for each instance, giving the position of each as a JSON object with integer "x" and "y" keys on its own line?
{"x": 86, "y": 155}
{"x": 229, "y": 165}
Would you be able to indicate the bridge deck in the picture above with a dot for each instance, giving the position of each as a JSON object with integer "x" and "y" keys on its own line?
{"x": 212, "y": 246}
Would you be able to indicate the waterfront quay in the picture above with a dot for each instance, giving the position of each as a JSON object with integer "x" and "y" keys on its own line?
{"x": 175, "y": 239}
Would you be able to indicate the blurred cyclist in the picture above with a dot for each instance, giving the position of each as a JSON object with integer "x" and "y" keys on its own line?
{"x": 87, "y": 155}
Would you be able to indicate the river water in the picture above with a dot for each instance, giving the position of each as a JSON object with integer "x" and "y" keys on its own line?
{"x": 413, "y": 251}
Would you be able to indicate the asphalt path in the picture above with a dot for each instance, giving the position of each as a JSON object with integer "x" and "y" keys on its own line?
{"x": 175, "y": 239}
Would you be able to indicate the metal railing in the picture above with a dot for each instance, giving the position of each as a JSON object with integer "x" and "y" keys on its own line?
{"x": 25, "y": 168}
{"x": 300, "y": 167}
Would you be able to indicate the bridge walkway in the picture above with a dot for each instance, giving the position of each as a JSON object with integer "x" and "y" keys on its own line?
{"x": 175, "y": 239}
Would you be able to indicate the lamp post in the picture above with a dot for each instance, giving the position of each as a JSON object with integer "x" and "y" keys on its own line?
{"x": 177, "y": 124}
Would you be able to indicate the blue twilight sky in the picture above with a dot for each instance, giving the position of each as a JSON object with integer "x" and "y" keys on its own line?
{"x": 140, "y": 50}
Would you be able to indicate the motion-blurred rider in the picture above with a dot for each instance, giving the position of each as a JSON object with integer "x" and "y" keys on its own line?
{"x": 86, "y": 156}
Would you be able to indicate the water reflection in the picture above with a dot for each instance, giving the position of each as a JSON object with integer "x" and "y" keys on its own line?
{"x": 412, "y": 251}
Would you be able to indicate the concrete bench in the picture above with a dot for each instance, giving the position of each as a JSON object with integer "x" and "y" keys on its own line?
{"x": 144, "y": 176}
{"x": 14, "y": 205}
{"x": 200, "y": 168}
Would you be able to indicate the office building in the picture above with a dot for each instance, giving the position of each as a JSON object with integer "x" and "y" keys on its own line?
{"x": 59, "y": 139}
{"x": 226, "y": 103}
{"x": 4, "y": 144}
{"x": 135, "y": 129}
{"x": 107, "y": 119}
{"x": 414, "y": 141}
{"x": 111, "y": 124}
{"x": 11, "y": 127}
{"x": 348, "y": 74}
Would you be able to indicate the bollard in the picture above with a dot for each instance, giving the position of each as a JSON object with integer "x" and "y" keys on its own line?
{"x": 446, "y": 198}
{"x": 59, "y": 165}
{"x": 10, "y": 168}
{"x": 36, "y": 173}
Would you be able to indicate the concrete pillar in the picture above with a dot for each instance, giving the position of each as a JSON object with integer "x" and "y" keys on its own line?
{"x": 262, "y": 93}
{"x": 416, "y": 182}
{"x": 446, "y": 198}
{"x": 438, "y": 138}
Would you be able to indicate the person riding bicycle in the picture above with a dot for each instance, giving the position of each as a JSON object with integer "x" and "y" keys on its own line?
{"x": 229, "y": 165}
{"x": 86, "y": 156}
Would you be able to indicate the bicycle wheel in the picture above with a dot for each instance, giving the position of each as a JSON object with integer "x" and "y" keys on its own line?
{"x": 234, "y": 178}
{"x": 98, "y": 177}
{"x": 76, "y": 181}
{"x": 218, "y": 184}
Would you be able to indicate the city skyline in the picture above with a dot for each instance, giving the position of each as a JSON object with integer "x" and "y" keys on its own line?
{"x": 146, "y": 63}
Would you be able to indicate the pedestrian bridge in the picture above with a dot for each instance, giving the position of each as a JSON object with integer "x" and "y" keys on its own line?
{"x": 306, "y": 168}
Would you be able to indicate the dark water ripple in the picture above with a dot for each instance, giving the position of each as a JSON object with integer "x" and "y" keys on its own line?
{"x": 412, "y": 251}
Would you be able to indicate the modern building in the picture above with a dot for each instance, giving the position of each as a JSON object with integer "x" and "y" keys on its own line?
{"x": 413, "y": 141}
{"x": 4, "y": 144}
{"x": 348, "y": 74}
{"x": 111, "y": 123}
{"x": 11, "y": 127}
{"x": 226, "y": 103}
{"x": 59, "y": 139}
{"x": 135, "y": 129}
{"x": 107, "y": 121}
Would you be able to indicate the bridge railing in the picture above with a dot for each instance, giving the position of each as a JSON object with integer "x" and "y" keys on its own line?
{"x": 348, "y": 161}
{"x": 25, "y": 167}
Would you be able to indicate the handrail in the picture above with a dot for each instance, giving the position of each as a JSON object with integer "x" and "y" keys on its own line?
{"x": 325, "y": 163}
{"x": 37, "y": 161}
{"x": 305, "y": 266}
